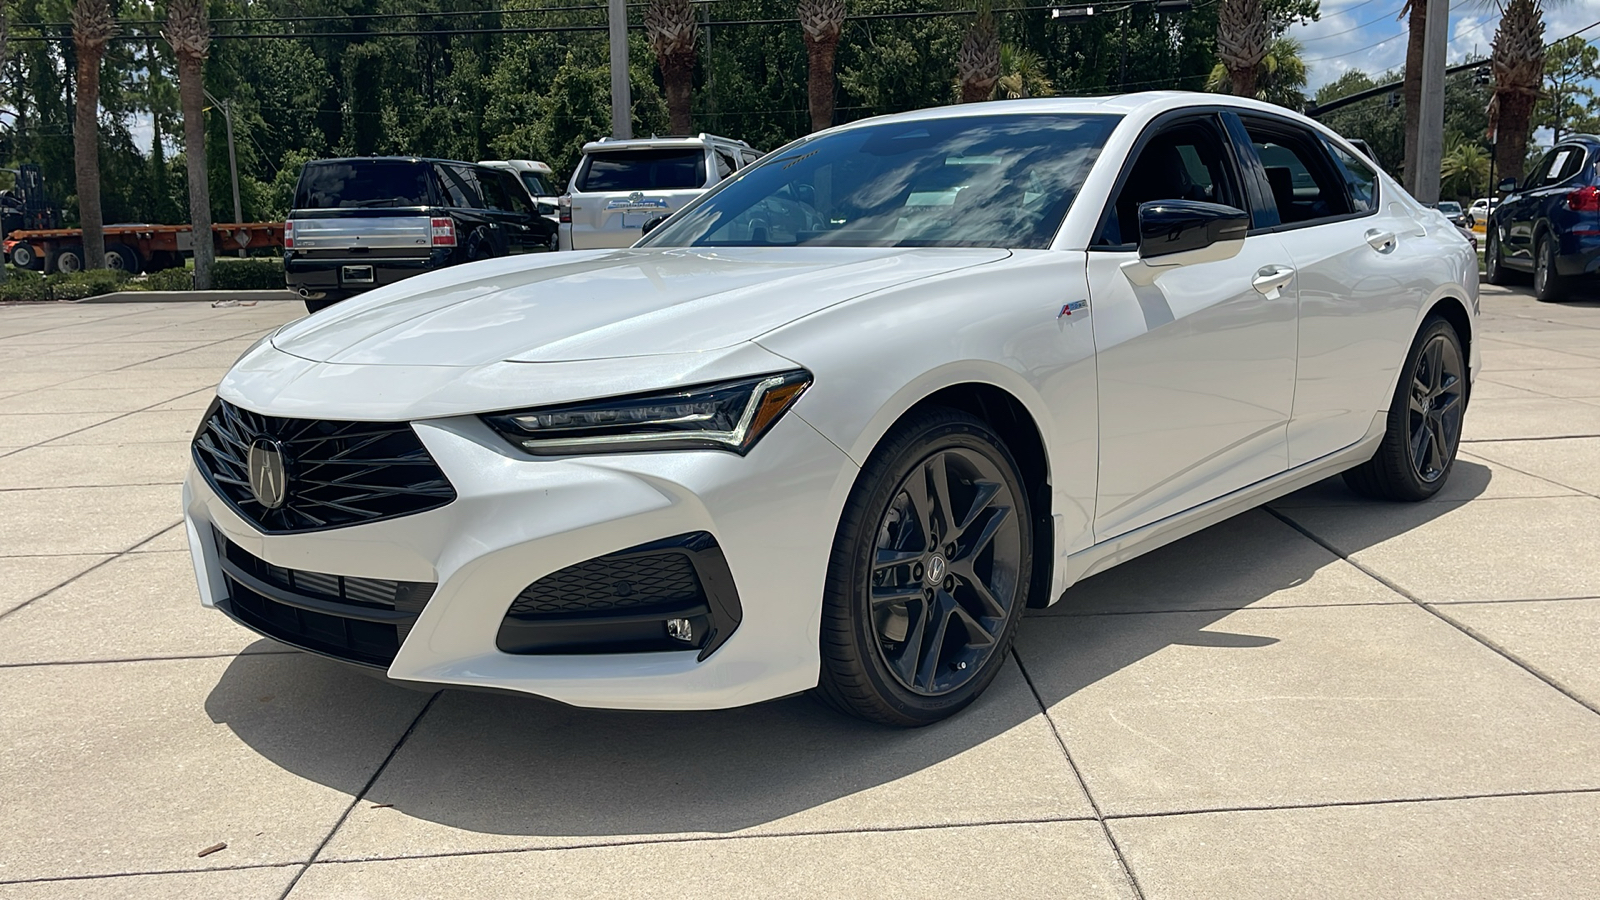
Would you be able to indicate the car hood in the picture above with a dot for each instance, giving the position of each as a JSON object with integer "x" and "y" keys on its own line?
{"x": 604, "y": 304}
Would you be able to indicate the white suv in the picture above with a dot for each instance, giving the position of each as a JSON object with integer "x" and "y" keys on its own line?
{"x": 622, "y": 184}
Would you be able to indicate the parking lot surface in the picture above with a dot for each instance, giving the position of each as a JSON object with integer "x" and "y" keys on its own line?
{"x": 1329, "y": 697}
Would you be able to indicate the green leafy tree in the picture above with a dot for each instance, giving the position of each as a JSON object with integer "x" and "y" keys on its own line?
{"x": 1571, "y": 68}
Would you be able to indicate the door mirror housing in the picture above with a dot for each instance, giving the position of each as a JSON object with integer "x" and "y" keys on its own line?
{"x": 651, "y": 224}
{"x": 1177, "y": 232}
{"x": 1508, "y": 186}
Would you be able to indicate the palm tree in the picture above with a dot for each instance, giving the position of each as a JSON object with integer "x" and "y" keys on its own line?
{"x": 1415, "y": 12}
{"x": 92, "y": 28}
{"x": 1022, "y": 74}
{"x": 1517, "y": 56}
{"x": 1464, "y": 167}
{"x": 821, "y": 24}
{"x": 189, "y": 32}
{"x": 1242, "y": 37}
{"x": 672, "y": 29}
{"x": 1280, "y": 76}
{"x": 978, "y": 59}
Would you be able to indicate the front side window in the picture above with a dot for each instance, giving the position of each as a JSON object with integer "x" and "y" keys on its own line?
{"x": 643, "y": 170}
{"x": 1185, "y": 161}
{"x": 970, "y": 181}
{"x": 535, "y": 186}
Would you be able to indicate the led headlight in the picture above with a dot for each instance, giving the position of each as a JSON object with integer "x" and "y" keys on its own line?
{"x": 728, "y": 415}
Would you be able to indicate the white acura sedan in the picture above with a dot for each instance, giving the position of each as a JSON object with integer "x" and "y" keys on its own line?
{"x": 837, "y": 423}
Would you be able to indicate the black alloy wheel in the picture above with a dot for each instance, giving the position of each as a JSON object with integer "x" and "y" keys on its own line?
{"x": 1438, "y": 392}
{"x": 930, "y": 572}
{"x": 1423, "y": 431}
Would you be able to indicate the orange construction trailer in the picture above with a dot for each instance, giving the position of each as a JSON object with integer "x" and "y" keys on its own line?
{"x": 133, "y": 248}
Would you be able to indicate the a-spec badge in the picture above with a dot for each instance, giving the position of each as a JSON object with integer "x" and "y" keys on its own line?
{"x": 1076, "y": 306}
{"x": 269, "y": 477}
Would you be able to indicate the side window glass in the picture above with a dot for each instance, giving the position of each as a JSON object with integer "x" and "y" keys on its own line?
{"x": 725, "y": 165}
{"x": 1541, "y": 171}
{"x": 750, "y": 157}
{"x": 1567, "y": 163}
{"x": 1187, "y": 161}
{"x": 494, "y": 195}
{"x": 515, "y": 192}
{"x": 1359, "y": 179}
{"x": 457, "y": 191}
{"x": 1299, "y": 174}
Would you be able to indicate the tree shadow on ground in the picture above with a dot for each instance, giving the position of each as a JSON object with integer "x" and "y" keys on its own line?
{"x": 512, "y": 765}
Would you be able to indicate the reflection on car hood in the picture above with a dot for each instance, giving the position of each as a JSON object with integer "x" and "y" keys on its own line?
{"x": 604, "y": 304}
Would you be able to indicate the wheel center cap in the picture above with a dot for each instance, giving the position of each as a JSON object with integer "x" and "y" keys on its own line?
{"x": 935, "y": 570}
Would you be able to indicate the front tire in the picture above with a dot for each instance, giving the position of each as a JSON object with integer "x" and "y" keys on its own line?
{"x": 1424, "y": 429}
{"x": 1548, "y": 285}
{"x": 929, "y": 573}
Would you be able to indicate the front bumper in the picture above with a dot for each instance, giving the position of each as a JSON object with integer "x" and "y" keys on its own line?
{"x": 516, "y": 520}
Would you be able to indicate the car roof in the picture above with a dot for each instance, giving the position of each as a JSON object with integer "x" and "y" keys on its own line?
{"x": 391, "y": 159}
{"x": 520, "y": 165}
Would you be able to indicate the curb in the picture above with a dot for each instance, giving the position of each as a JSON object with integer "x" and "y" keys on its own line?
{"x": 188, "y": 296}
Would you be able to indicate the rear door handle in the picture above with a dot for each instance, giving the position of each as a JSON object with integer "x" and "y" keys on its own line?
{"x": 1381, "y": 241}
{"x": 1270, "y": 280}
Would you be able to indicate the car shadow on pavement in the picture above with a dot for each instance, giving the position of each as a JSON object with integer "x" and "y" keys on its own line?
{"x": 507, "y": 765}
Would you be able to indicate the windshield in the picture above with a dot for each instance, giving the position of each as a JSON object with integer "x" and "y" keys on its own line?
{"x": 1447, "y": 206}
{"x": 643, "y": 170}
{"x": 357, "y": 184}
{"x": 972, "y": 181}
{"x": 534, "y": 185}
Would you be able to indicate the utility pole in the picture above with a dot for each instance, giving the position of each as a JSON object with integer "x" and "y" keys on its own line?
{"x": 621, "y": 94}
{"x": 233, "y": 159}
{"x": 1430, "y": 128}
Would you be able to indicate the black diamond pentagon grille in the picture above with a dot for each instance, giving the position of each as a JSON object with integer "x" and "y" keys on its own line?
{"x": 339, "y": 473}
{"x": 609, "y": 584}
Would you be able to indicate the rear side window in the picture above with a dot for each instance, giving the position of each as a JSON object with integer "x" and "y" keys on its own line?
{"x": 459, "y": 187}
{"x": 643, "y": 170}
{"x": 494, "y": 193}
{"x": 726, "y": 164}
{"x": 362, "y": 184}
{"x": 512, "y": 190}
{"x": 1361, "y": 182}
{"x": 1564, "y": 163}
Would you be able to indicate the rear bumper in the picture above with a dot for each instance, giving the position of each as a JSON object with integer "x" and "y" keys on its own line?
{"x": 1580, "y": 253}
{"x": 326, "y": 275}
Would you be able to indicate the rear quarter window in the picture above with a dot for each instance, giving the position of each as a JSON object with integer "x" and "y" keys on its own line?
{"x": 643, "y": 170}
{"x": 362, "y": 184}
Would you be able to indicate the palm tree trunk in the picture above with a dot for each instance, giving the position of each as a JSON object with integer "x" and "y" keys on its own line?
{"x": 1417, "y": 27}
{"x": 192, "y": 94}
{"x": 86, "y": 150}
{"x": 819, "y": 87}
{"x": 677, "y": 77}
{"x": 1511, "y": 134}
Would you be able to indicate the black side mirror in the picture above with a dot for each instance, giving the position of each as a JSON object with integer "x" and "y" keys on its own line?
{"x": 1508, "y": 186}
{"x": 650, "y": 224}
{"x": 1171, "y": 227}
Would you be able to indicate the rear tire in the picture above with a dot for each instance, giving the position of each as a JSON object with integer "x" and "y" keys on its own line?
{"x": 122, "y": 258}
{"x": 1494, "y": 268}
{"x": 320, "y": 303}
{"x": 1548, "y": 285}
{"x": 1424, "y": 428}
{"x": 67, "y": 261}
{"x": 920, "y": 604}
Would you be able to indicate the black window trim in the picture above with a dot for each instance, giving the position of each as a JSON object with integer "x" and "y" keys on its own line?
{"x": 1155, "y": 127}
{"x": 1322, "y": 140}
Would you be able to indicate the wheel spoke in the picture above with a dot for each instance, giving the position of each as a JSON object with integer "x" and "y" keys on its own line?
{"x": 886, "y": 595}
{"x": 939, "y": 478}
{"x": 1433, "y": 354}
{"x": 939, "y": 611}
{"x": 1416, "y": 405}
{"x": 986, "y": 494}
{"x": 1436, "y": 460}
{"x": 977, "y": 635}
{"x": 1419, "y": 444}
{"x": 905, "y": 665}
{"x": 887, "y": 559}
{"x": 921, "y": 506}
{"x": 991, "y": 526}
{"x": 964, "y": 573}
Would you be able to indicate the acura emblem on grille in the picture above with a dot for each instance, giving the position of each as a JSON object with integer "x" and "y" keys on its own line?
{"x": 268, "y": 479}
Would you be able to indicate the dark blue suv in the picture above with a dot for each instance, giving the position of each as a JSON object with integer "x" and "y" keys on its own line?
{"x": 1550, "y": 225}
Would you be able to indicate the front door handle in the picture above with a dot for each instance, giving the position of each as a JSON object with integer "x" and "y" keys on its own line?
{"x": 1270, "y": 280}
{"x": 1381, "y": 241}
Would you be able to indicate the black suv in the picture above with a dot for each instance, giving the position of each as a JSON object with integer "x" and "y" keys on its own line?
{"x": 363, "y": 222}
{"x": 1550, "y": 225}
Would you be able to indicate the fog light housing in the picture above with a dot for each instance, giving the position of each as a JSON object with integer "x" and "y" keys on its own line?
{"x": 680, "y": 630}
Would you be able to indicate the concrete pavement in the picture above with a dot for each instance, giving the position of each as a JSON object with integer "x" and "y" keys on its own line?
{"x": 1325, "y": 698}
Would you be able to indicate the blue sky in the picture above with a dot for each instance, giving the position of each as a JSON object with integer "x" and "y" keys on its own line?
{"x": 1368, "y": 34}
